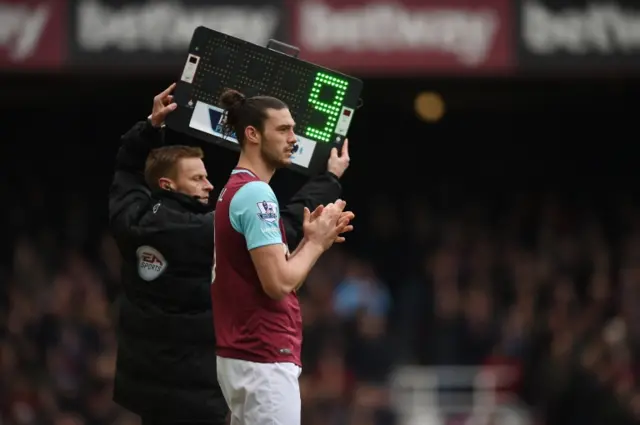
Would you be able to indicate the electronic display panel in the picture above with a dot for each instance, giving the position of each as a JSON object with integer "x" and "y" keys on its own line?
{"x": 321, "y": 101}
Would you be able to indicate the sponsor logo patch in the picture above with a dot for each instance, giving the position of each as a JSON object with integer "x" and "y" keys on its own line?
{"x": 151, "y": 263}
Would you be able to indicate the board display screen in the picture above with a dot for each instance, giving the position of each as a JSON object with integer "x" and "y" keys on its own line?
{"x": 321, "y": 101}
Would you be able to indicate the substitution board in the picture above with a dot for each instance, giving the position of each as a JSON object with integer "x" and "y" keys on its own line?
{"x": 321, "y": 101}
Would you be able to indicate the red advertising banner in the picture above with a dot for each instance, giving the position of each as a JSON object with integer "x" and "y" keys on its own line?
{"x": 405, "y": 36}
{"x": 32, "y": 34}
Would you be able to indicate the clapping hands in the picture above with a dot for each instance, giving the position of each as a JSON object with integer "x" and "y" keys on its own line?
{"x": 327, "y": 224}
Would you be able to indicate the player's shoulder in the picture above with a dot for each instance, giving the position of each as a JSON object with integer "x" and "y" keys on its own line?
{"x": 254, "y": 201}
{"x": 252, "y": 192}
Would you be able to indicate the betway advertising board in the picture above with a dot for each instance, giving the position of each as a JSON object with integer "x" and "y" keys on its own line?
{"x": 405, "y": 37}
{"x": 147, "y": 34}
{"x": 364, "y": 37}
{"x": 578, "y": 36}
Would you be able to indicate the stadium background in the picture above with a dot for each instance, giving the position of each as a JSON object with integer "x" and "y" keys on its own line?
{"x": 505, "y": 234}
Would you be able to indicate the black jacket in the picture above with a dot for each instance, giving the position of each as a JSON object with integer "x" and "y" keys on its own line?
{"x": 166, "y": 367}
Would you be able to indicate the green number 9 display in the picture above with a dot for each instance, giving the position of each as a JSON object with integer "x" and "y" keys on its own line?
{"x": 330, "y": 110}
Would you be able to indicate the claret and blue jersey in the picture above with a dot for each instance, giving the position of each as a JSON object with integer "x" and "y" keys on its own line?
{"x": 249, "y": 324}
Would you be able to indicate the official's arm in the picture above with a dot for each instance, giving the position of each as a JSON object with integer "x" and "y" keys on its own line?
{"x": 320, "y": 190}
{"x": 278, "y": 274}
{"x": 129, "y": 193}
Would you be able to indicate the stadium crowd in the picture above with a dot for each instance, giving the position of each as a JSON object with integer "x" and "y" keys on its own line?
{"x": 548, "y": 288}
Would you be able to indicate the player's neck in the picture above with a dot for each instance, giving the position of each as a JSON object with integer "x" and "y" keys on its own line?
{"x": 257, "y": 166}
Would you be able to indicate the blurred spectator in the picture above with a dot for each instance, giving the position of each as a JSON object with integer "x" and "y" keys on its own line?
{"x": 360, "y": 291}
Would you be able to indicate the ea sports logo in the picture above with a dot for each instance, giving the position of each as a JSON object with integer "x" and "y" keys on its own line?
{"x": 151, "y": 263}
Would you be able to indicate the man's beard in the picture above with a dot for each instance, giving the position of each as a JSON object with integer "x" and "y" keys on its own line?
{"x": 272, "y": 159}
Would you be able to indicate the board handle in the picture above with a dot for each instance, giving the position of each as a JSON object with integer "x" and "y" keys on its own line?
{"x": 280, "y": 47}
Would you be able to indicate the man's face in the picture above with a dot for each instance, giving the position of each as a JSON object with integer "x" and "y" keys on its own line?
{"x": 191, "y": 179}
{"x": 278, "y": 138}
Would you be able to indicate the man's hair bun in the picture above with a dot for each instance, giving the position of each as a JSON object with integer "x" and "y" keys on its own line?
{"x": 230, "y": 99}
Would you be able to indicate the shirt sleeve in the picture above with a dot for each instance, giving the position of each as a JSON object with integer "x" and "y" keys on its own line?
{"x": 254, "y": 213}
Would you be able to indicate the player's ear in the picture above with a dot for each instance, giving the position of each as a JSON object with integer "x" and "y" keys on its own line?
{"x": 251, "y": 134}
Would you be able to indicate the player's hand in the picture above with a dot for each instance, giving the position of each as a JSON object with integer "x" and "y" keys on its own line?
{"x": 343, "y": 224}
{"x": 343, "y": 221}
{"x": 338, "y": 164}
{"x": 163, "y": 105}
{"x": 325, "y": 225}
